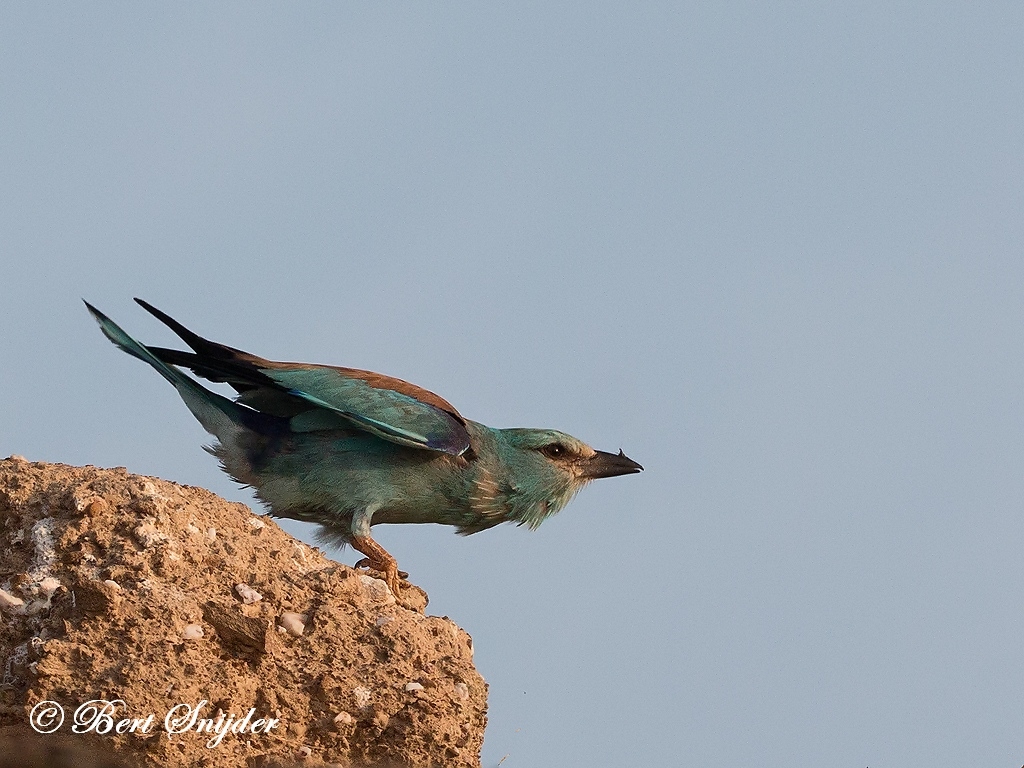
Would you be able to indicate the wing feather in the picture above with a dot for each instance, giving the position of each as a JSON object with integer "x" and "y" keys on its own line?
{"x": 318, "y": 397}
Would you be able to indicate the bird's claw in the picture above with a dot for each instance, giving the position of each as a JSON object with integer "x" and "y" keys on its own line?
{"x": 380, "y": 564}
{"x": 371, "y": 565}
{"x": 388, "y": 573}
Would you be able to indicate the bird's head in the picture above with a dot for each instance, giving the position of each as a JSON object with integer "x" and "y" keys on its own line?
{"x": 547, "y": 468}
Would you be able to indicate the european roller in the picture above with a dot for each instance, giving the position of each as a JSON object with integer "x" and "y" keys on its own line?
{"x": 348, "y": 449}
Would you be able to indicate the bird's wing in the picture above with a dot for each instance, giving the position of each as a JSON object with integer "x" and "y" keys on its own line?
{"x": 316, "y": 397}
{"x": 389, "y": 408}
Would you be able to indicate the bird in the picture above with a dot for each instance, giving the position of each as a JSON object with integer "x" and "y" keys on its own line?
{"x": 348, "y": 449}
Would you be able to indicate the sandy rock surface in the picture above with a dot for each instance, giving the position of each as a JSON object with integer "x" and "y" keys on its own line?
{"x": 118, "y": 587}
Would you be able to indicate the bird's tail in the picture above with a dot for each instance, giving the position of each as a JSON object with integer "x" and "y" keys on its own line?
{"x": 219, "y": 416}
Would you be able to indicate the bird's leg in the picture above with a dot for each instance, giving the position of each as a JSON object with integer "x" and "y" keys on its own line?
{"x": 378, "y": 559}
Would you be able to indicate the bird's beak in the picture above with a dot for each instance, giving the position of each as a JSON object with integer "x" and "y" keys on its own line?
{"x": 603, "y": 464}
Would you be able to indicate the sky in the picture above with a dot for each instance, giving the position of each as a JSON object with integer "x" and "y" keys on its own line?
{"x": 775, "y": 252}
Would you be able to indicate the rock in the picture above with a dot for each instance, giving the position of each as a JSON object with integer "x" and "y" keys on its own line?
{"x": 11, "y": 603}
{"x": 121, "y": 587}
{"x": 293, "y": 623}
{"x": 248, "y": 594}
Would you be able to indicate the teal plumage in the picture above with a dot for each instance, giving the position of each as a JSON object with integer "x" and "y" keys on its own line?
{"x": 348, "y": 449}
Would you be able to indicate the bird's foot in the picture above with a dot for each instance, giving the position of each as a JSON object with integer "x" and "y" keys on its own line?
{"x": 377, "y": 559}
{"x": 390, "y": 576}
{"x": 370, "y": 565}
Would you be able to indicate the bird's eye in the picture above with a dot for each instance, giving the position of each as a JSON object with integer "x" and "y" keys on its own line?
{"x": 554, "y": 450}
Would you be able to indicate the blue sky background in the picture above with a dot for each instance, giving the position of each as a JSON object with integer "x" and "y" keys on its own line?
{"x": 772, "y": 251}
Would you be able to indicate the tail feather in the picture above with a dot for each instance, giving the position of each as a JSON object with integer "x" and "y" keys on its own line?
{"x": 218, "y": 415}
{"x": 210, "y": 368}
{"x": 210, "y": 360}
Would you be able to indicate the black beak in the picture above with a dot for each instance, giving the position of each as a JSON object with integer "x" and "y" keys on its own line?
{"x": 603, "y": 464}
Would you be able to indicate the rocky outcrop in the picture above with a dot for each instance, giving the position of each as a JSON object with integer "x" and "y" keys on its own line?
{"x": 184, "y": 630}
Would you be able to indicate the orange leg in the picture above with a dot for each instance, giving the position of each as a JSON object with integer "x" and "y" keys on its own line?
{"x": 378, "y": 559}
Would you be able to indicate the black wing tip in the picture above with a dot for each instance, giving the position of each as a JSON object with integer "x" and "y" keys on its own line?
{"x": 194, "y": 340}
{"x": 163, "y": 317}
